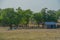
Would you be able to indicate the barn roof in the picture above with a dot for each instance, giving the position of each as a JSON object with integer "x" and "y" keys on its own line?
{"x": 50, "y": 23}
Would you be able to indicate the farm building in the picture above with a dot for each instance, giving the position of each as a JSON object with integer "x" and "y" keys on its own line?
{"x": 58, "y": 23}
{"x": 50, "y": 25}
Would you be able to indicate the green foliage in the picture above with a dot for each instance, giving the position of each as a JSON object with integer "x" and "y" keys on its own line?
{"x": 58, "y": 14}
{"x": 37, "y": 17}
{"x": 43, "y": 12}
{"x": 51, "y": 16}
{"x": 9, "y": 16}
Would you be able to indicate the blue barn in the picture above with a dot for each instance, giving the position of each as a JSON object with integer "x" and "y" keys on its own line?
{"x": 50, "y": 25}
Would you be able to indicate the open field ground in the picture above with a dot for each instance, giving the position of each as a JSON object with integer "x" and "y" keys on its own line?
{"x": 29, "y": 34}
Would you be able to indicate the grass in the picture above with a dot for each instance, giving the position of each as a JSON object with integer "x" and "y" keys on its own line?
{"x": 29, "y": 34}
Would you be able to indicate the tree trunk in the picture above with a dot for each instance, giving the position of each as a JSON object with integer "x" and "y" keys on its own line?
{"x": 43, "y": 25}
{"x": 11, "y": 27}
{"x": 26, "y": 25}
{"x": 38, "y": 25}
{"x": 16, "y": 27}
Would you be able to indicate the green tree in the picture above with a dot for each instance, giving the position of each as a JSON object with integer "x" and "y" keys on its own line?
{"x": 58, "y": 14}
{"x": 10, "y": 17}
{"x": 38, "y": 18}
{"x": 0, "y": 16}
{"x": 26, "y": 17}
{"x": 44, "y": 16}
{"x": 20, "y": 12}
{"x": 51, "y": 16}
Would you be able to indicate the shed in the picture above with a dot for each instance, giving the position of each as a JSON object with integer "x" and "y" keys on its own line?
{"x": 58, "y": 25}
{"x": 50, "y": 25}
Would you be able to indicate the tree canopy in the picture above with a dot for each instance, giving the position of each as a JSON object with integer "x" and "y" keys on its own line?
{"x": 11, "y": 16}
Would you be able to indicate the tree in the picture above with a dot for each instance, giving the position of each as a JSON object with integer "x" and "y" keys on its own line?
{"x": 51, "y": 16}
{"x": 26, "y": 17}
{"x": 58, "y": 14}
{"x": 10, "y": 17}
{"x": 2, "y": 12}
{"x": 38, "y": 18}
{"x": 0, "y": 17}
{"x": 20, "y": 12}
{"x": 43, "y": 12}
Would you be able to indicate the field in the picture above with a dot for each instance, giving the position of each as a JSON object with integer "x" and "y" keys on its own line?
{"x": 29, "y": 34}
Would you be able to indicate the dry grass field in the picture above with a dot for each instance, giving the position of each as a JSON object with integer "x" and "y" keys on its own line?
{"x": 29, "y": 34}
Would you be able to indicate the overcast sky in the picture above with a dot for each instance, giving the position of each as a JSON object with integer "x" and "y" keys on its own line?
{"x": 34, "y": 5}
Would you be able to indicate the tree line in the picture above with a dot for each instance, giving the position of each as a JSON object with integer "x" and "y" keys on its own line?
{"x": 15, "y": 17}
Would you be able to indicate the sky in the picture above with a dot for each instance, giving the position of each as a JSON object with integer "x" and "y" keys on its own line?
{"x": 34, "y": 5}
